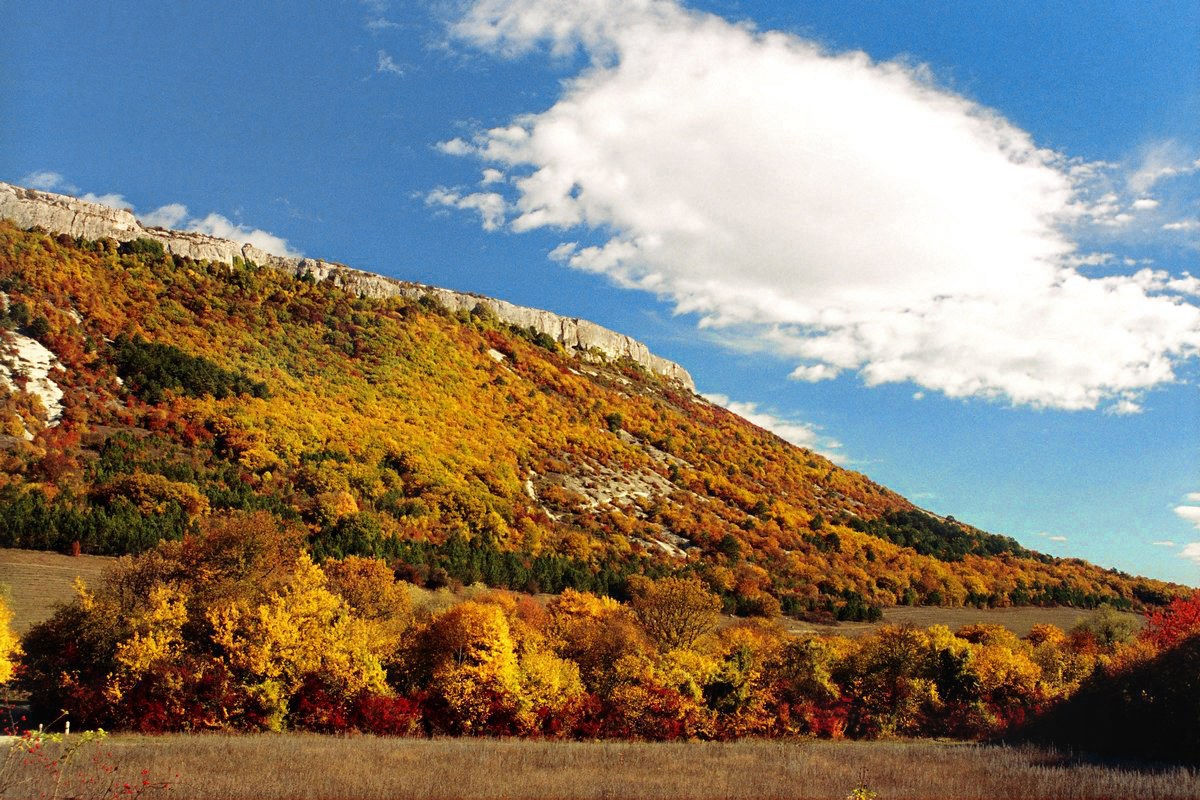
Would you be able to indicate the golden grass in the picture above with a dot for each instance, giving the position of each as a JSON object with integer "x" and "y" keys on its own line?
{"x": 310, "y": 766}
{"x": 37, "y": 581}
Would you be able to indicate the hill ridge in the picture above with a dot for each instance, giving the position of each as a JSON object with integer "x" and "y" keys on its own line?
{"x": 63, "y": 214}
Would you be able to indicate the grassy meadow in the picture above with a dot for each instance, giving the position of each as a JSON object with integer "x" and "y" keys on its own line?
{"x": 310, "y": 766}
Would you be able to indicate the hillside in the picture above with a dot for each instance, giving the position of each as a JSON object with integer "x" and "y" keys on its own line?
{"x": 142, "y": 389}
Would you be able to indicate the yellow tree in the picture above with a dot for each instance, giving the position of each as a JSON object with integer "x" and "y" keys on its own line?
{"x": 474, "y": 665}
{"x": 675, "y": 612}
{"x": 371, "y": 590}
{"x": 10, "y": 647}
{"x": 301, "y": 629}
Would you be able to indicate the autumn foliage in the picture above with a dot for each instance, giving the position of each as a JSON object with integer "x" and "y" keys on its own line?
{"x": 291, "y": 472}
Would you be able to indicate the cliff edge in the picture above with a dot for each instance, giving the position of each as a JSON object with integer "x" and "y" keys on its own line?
{"x": 57, "y": 213}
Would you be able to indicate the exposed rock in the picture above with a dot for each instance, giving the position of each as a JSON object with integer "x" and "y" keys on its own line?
{"x": 26, "y": 361}
{"x": 60, "y": 214}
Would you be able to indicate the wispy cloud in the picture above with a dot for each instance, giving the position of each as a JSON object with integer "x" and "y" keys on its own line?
{"x": 799, "y": 433}
{"x": 386, "y": 65}
{"x": 381, "y": 24}
{"x": 852, "y": 213}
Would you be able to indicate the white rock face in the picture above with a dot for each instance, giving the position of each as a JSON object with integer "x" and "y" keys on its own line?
{"x": 22, "y": 356}
{"x": 60, "y": 214}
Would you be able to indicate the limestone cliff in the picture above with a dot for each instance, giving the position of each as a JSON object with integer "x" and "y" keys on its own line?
{"x": 61, "y": 214}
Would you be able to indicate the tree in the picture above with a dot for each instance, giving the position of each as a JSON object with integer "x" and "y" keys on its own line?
{"x": 675, "y": 612}
{"x": 10, "y": 647}
{"x": 303, "y": 629}
{"x": 1167, "y": 627}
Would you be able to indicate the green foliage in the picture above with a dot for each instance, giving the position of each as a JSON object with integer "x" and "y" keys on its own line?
{"x": 150, "y": 248}
{"x": 152, "y": 368}
{"x": 944, "y": 539}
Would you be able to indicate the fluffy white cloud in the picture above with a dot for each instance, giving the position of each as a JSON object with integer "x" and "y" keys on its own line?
{"x": 801, "y": 434}
{"x": 168, "y": 216}
{"x": 222, "y": 227}
{"x": 1191, "y": 552}
{"x": 176, "y": 216}
{"x": 47, "y": 181}
{"x": 490, "y": 206}
{"x": 1189, "y": 513}
{"x": 112, "y": 200}
{"x": 850, "y": 213}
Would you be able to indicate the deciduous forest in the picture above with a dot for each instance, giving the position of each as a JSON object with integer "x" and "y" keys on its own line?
{"x": 341, "y": 513}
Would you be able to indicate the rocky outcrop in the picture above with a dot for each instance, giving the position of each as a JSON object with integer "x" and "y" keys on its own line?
{"x": 29, "y": 208}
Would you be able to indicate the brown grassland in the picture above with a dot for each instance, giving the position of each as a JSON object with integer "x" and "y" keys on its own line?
{"x": 37, "y": 581}
{"x": 311, "y": 766}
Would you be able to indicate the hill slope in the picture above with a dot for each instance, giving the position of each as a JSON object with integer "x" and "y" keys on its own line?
{"x": 140, "y": 390}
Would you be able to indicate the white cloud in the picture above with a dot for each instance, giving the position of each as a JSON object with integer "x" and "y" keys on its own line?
{"x": 48, "y": 182}
{"x": 1182, "y": 225}
{"x": 1162, "y": 161}
{"x": 1057, "y": 538}
{"x": 1189, "y": 513}
{"x": 222, "y": 227}
{"x": 381, "y": 24}
{"x": 1191, "y": 552}
{"x": 490, "y": 205}
{"x": 1165, "y": 543}
{"x": 111, "y": 200}
{"x": 812, "y": 373}
{"x": 850, "y": 213}
{"x": 455, "y": 147}
{"x": 491, "y": 176}
{"x": 386, "y": 65}
{"x": 801, "y": 434}
{"x": 168, "y": 216}
{"x": 1144, "y": 204}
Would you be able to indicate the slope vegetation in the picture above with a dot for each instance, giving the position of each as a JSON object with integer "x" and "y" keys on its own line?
{"x": 454, "y": 445}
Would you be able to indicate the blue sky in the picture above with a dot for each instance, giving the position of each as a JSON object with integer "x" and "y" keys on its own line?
{"x": 952, "y": 244}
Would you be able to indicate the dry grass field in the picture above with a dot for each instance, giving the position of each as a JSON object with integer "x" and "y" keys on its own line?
{"x": 36, "y": 581}
{"x": 310, "y": 766}
{"x": 1017, "y": 620}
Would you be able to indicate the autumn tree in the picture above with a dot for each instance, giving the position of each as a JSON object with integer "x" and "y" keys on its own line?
{"x": 10, "y": 647}
{"x": 674, "y": 611}
{"x": 1167, "y": 627}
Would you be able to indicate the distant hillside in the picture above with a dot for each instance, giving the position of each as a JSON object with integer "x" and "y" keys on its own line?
{"x": 141, "y": 390}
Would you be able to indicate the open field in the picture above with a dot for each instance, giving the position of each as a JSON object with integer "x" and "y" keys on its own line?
{"x": 1017, "y": 620}
{"x": 37, "y": 581}
{"x": 310, "y": 766}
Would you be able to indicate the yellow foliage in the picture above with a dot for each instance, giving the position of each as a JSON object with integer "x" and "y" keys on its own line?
{"x": 10, "y": 645}
{"x": 476, "y": 665}
{"x": 303, "y": 628}
{"x": 157, "y": 633}
{"x": 374, "y": 595}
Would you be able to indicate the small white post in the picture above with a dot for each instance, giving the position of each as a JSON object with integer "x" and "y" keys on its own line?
{"x": 67, "y": 728}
